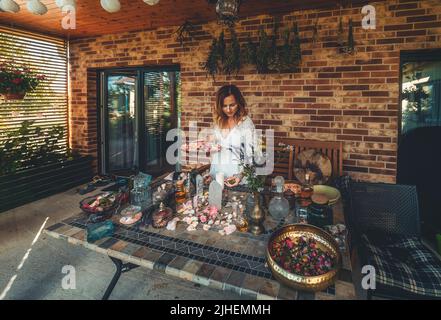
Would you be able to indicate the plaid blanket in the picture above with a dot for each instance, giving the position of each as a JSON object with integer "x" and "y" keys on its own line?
{"x": 405, "y": 263}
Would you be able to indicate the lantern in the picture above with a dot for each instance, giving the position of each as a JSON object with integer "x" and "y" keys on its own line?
{"x": 111, "y": 5}
{"x": 36, "y": 7}
{"x": 9, "y": 6}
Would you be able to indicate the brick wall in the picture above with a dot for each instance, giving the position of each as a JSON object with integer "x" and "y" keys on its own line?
{"x": 349, "y": 98}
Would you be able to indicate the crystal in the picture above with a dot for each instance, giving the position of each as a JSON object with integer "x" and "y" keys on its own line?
{"x": 99, "y": 230}
{"x": 199, "y": 185}
{"x": 215, "y": 194}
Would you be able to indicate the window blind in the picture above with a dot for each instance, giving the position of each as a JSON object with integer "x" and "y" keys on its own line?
{"x": 47, "y": 106}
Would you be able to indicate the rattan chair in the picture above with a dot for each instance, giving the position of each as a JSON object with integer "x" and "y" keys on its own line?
{"x": 383, "y": 220}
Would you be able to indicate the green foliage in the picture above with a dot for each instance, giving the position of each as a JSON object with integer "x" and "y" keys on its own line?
{"x": 264, "y": 52}
{"x": 20, "y": 149}
{"x": 250, "y": 53}
{"x": 17, "y": 79}
{"x": 287, "y": 56}
{"x": 211, "y": 66}
{"x": 349, "y": 46}
{"x": 232, "y": 61}
{"x": 254, "y": 182}
{"x": 221, "y": 48}
{"x": 417, "y": 105}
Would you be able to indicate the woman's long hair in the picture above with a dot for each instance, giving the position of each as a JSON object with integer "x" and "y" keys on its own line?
{"x": 220, "y": 118}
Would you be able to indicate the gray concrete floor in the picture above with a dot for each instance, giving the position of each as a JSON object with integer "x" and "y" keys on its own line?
{"x": 40, "y": 276}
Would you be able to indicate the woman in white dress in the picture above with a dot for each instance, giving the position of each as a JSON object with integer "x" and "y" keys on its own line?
{"x": 234, "y": 132}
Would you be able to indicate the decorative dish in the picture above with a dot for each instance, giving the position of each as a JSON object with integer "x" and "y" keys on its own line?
{"x": 332, "y": 194}
{"x": 303, "y": 257}
{"x": 103, "y": 203}
{"x": 314, "y": 163}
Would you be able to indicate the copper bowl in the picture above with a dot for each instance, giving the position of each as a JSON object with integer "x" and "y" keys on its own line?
{"x": 324, "y": 241}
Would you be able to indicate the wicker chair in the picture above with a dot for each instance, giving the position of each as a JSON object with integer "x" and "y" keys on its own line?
{"x": 385, "y": 230}
{"x": 286, "y": 151}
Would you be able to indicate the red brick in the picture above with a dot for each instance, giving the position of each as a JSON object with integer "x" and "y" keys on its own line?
{"x": 406, "y": 13}
{"x": 356, "y": 87}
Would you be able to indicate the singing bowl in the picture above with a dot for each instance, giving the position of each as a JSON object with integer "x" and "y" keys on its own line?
{"x": 324, "y": 241}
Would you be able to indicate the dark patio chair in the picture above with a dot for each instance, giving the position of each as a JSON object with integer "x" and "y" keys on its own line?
{"x": 385, "y": 230}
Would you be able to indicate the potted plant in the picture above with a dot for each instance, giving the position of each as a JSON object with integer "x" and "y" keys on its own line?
{"x": 16, "y": 81}
{"x": 255, "y": 183}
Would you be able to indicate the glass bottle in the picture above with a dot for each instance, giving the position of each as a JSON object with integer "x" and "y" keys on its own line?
{"x": 279, "y": 206}
{"x": 180, "y": 194}
{"x": 307, "y": 188}
{"x": 240, "y": 221}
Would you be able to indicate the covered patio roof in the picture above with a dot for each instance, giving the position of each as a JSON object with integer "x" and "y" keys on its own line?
{"x": 93, "y": 20}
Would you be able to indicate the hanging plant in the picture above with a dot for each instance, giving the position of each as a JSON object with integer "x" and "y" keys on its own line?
{"x": 263, "y": 52}
{"x": 250, "y": 53}
{"x": 232, "y": 61}
{"x": 211, "y": 66}
{"x": 281, "y": 59}
{"x": 288, "y": 56}
{"x": 340, "y": 33}
{"x": 221, "y": 47}
{"x": 184, "y": 32}
{"x": 297, "y": 50}
{"x": 349, "y": 47}
{"x": 315, "y": 29}
{"x": 16, "y": 81}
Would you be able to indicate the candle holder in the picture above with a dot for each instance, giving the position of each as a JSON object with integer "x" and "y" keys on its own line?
{"x": 256, "y": 217}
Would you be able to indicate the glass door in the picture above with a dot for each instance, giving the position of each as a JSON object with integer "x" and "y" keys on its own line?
{"x": 160, "y": 115}
{"x": 138, "y": 107}
{"x": 120, "y": 122}
{"x": 420, "y": 94}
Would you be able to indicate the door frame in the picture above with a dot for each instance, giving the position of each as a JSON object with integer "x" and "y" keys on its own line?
{"x": 102, "y": 130}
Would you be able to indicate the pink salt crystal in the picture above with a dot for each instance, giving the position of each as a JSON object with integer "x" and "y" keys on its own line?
{"x": 195, "y": 201}
{"x": 213, "y": 211}
{"x": 229, "y": 229}
{"x": 203, "y": 218}
{"x": 171, "y": 225}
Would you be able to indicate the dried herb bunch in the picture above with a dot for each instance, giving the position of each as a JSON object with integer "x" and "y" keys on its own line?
{"x": 232, "y": 62}
{"x": 211, "y": 65}
{"x": 184, "y": 32}
{"x": 346, "y": 47}
{"x": 287, "y": 57}
{"x": 265, "y": 55}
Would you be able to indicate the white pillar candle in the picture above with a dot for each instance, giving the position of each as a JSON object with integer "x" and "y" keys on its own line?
{"x": 220, "y": 177}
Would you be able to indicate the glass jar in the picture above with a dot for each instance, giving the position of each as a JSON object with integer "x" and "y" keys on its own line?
{"x": 320, "y": 215}
{"x": 279, "y": 206}
{"x": 301, "y": 210}
{"x": 141, "y": 196}
{"x": 307, "y": 188}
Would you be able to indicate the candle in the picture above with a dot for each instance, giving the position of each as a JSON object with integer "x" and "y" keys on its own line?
{"x": 220, "y": 178}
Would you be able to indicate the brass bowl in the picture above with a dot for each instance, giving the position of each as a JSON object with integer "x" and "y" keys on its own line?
{"x": 324, "y": 241}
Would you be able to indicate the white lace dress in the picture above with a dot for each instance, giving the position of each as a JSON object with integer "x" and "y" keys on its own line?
{"x": 237, "y": 146}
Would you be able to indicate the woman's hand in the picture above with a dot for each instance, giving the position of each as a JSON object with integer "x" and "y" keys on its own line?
{"x": 213, "y": 148}
{"x": 232, "y": 181}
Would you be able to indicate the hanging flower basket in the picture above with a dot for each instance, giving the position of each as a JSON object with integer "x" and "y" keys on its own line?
{"x": 16, "y": 80}
{"x": 15, "y": 96}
